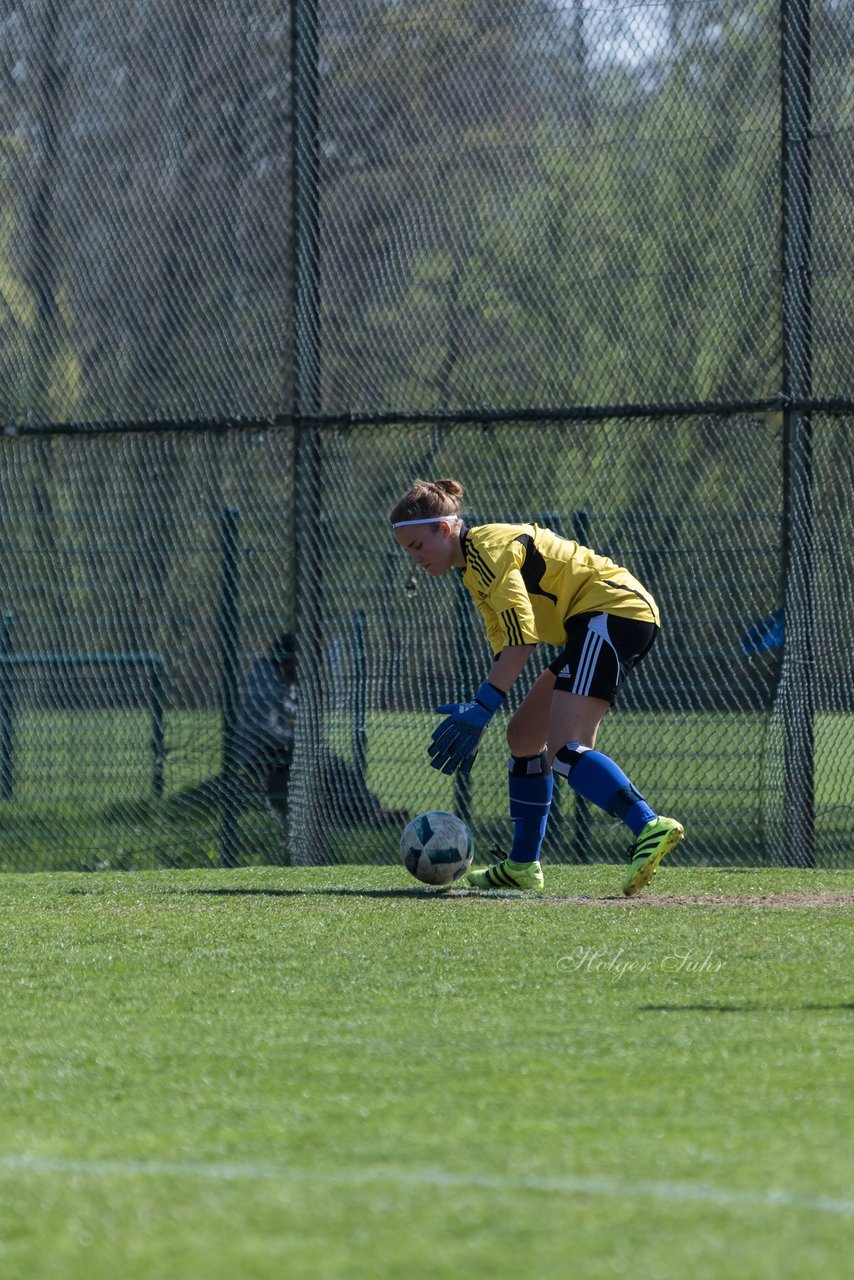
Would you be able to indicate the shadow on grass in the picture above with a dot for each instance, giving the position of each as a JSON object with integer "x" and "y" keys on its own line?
{"x": 742, "y": 1008}
{"x": 437, "y": 891}
{"x": 447, "y": 892}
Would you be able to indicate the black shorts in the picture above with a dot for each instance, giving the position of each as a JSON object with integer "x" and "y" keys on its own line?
{"x": 600, "y": 651}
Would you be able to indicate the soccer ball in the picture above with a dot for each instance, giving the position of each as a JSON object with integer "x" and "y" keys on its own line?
{"x": 436, "y": 847}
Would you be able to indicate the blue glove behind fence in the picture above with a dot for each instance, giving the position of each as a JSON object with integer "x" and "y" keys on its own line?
{"x": 455, "y": 742}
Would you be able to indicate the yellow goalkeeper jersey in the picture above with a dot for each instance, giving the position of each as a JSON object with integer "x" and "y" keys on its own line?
{"x": 527, "y": 582}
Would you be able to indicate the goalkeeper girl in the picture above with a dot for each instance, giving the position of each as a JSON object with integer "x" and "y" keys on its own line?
{"x": 531, "y": 585}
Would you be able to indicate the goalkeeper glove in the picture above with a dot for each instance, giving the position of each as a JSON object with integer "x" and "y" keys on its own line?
{"x": 455, "y": 742}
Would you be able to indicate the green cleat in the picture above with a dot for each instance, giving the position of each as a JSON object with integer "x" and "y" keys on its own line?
{"x": 507, "y": 875}
{"x": 658, "y": 838}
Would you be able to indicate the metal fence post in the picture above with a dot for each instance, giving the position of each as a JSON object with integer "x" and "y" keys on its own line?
{"x": 7, "y": 710}
{"x": 157, "y": 732}
{"x": 230, "y": 676}
{"x": 555, "y": 829}
{"x": 360, "y": 695}
{"x": 798, "y": 503}
{"x": 581, "y": 533}
{"x": 462, "y": 781}
{"x": 305, "y": 405}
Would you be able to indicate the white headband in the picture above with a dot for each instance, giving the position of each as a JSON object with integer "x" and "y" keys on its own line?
{"x": 424, "y": 520}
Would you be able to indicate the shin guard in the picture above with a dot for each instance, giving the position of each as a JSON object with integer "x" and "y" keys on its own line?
{"x": 531, "y": 784}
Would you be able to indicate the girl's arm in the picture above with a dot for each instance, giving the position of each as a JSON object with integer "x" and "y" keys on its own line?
{"x": 508, "y": 666}
{"x": 454, "y": 744}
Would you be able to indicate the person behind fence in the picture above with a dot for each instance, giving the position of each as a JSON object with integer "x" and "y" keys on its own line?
{"x": 266, "y": 747}
{"x": 267, "y": 727}
{"x": 532, "y": 586}
{"x": 768, "y": 635}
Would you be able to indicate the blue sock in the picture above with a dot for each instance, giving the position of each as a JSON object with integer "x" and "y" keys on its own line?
{"x": 597, "y": 778}
{"x": 531, "y": 786}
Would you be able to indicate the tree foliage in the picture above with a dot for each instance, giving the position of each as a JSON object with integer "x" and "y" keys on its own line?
{"x": 520, "y": 206}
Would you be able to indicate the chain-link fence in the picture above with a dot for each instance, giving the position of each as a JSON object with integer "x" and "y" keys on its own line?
{"x": 260, "y": 264}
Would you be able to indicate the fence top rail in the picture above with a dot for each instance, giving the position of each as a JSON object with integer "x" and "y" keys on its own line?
{"x": 777, "y": 403}
{"x": 82, "y": 660}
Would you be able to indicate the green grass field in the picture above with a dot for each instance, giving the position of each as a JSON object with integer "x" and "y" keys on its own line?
{"x": 336, "y": 1073}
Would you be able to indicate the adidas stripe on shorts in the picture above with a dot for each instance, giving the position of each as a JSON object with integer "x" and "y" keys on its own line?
{"x": 600, "y": 651}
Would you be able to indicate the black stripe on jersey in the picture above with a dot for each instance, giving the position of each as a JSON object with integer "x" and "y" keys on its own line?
{"x": 533, "y": 568}
{"x": 512, "y": 629}
{"x": 476, "y": 556}
{"x": 480, "y": 566}
{"x": 621, "y": 586}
